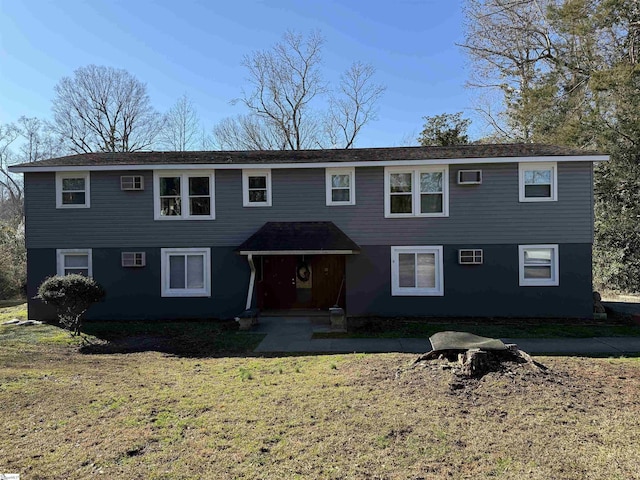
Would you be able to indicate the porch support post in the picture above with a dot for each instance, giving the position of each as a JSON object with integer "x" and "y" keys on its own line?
{"x": 252, "y": 280}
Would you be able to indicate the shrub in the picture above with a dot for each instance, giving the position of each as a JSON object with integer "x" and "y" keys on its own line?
{"x": 71, "y": 295}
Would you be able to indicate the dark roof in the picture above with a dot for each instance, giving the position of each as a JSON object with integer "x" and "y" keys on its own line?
{"x": 311, "y": 156}
{"x": 298, "y": 236}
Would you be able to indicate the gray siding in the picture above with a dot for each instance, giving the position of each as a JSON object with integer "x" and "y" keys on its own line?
{"x": 489, "y": 213}
{"x": 488, "y": 290}
{"x": 135, "y": 293}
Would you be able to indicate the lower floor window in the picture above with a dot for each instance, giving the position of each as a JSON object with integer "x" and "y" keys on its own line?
{"x": 417, "y": 271}
{"x": 538, "y": 265}
{"x": 186, "y": 272}
{"x": 74, "y": 261}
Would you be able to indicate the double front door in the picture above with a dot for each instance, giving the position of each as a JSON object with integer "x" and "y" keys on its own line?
{"x": 298, "y": 281}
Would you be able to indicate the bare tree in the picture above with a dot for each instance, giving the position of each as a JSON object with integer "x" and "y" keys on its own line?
{"x": 103, "y": 109}
{"x": 181, "y": 126}
{"x": 11, "y": 191}
{"x": 39, "y": 141}
{"x": 286, "y": 99}
{"x": 355, "y": 104}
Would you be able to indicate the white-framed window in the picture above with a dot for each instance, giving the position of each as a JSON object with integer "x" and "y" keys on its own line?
{"x": 340, "y": 186}
{"x": 416, "y": 192}
{"x": 469, "y": 177}
{"x": 186, "y": 272}
{"x": 184, "y": 195}
{"x": 256, "y": 188}
{"x": 73, "y": 190}
{"x": 538, "y": 182}
{"x": 417, "y": 271}
{"x": 538, "y": 265}
{"x": 74, "y": 260}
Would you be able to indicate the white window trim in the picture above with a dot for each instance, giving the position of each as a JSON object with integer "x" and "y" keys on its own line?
{"x": 554, "y": 281}
{"x": 61, "y": 252}
{"x": 396, "y": 290}
{"x": 184, "y": 193}
{"x": 415, "y": 191}
{"x": 523, "y": 167}
{"x": 262, "y": 172}
{"x": 329, "y": 185}
{"x": 185, "y": 292}
{"x": 87, "y": 188}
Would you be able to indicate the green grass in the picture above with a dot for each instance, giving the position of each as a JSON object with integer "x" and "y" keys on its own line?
{"x": 155, "y": 416}
{"x": 188, "y": 338}
{"x": 10, "y": 309}
{"x": 540, "y": 330}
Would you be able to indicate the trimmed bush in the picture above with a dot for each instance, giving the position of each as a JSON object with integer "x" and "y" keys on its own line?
{"x": 71, "y": 295}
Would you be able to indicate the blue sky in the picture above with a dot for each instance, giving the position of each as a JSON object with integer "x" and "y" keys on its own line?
{"x": 196, "y": 46}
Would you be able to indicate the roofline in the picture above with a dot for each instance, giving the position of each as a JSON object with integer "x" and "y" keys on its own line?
{"x": 298, "y": 252}
{"x": 372, "y": 163}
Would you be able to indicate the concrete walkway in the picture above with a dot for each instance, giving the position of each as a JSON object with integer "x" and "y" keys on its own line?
{"x": 293, "y": 334}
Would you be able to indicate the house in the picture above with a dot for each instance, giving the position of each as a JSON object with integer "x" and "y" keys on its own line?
{"x": 477, "y": 230}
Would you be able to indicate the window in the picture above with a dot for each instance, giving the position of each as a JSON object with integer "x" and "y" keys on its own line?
{"x": 418, "y": 192}
{"x": 256, "y": 188}
{"x": 470, "y": 256}
{"x": 538, "y": 265}
{"x": 72, "y": 190}
{"x": 538, "y": 182}
{"x": 186, "y": 272}
{"x": 132, "y": 182}
{"x": 133, "y": 259}
{"x": 340, "y": 186}
{"x": 417, "y": 271}
{"x": 184, "y": 196}
{"x": 74, "y": 261}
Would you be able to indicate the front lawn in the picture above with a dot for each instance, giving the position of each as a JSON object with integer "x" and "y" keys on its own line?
{"x": 151, "y": 415}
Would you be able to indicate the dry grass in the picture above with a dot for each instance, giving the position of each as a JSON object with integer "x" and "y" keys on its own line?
{"x": 154, "y": 416}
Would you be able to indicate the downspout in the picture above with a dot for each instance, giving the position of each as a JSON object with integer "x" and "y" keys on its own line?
{"x": 252, "y": 280}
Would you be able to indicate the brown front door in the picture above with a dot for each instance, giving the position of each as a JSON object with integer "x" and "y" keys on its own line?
{"x": 294, "y": 281}
{"x": 278, "y": 289}
{"x": 328, "y": 275}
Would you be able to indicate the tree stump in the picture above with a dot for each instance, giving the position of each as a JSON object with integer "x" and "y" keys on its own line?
{"x": 475, "y": 362}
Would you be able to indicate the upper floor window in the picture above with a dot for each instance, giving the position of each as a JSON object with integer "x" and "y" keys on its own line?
{"x": 538, "y": 265}
{"x": 417, "y": 271}
{"x": 184, "y": 195}
{"x": 416, "y": 192}
{"x": 340, "y": 186}
{"x": 74, "y": 260}
{"x": 72, "y": 190}
{"x": 256, "y": 188}
{"x": 538, "y": 182}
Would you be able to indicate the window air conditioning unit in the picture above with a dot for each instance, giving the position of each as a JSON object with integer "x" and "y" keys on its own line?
{"x": 133, "y": 259}
{"x": 132, "y": 182}
{"x": 469, "y": 177}
{"x": 470, "y": 256}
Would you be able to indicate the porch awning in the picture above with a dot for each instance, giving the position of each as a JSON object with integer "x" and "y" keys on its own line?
{"x": 298, "y": 238}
